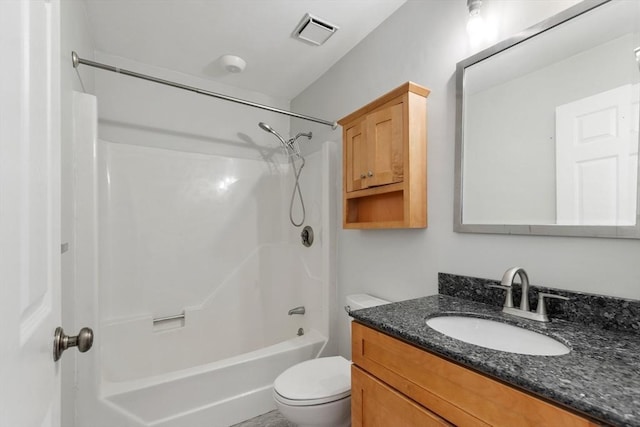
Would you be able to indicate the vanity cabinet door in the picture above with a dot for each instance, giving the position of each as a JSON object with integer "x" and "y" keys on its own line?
{"x": 374, "y": 404}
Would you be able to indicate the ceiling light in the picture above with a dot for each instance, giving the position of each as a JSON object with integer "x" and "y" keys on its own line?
{"x": 233, "y": 64}
{"x": 314, "y": 30}
{"x": 475, "y": 23}
{"x": 478, "y": 28}
{"x": 474, "y": 6}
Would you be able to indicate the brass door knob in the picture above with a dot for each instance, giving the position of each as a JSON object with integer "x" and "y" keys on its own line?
{"x": 61, "y": 342}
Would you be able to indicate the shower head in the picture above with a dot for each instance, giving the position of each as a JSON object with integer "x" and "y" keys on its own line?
{"x": 265, "y": 127}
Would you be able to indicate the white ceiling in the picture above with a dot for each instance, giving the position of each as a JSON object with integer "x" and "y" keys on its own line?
{"x": 191, "y": 35}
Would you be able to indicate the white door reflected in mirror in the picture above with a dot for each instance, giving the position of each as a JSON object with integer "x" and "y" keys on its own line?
{"x": 597, "y": 158}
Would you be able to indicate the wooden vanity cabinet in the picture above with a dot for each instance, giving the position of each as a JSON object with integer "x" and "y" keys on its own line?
{"x": 404, "y": 385}
{"x": 385, "y": 161}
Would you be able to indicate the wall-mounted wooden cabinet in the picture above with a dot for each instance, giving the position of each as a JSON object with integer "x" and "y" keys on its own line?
{"x": 385, "y": 161}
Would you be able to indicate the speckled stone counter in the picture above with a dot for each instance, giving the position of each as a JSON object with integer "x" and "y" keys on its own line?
{"x": 599, "y": 377}
{"x": 600, "y": 311}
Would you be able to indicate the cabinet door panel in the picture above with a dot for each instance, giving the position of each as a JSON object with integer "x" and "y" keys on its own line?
{"x": 385, "y": 151}
{"x": 374, "y": 404}
{"x": 356, "y": 158}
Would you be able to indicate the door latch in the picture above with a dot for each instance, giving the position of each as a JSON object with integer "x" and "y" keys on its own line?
{"x": 61, "y": 342}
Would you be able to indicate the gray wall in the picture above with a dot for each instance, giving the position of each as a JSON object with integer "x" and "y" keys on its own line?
{"x": 422, "y": 42}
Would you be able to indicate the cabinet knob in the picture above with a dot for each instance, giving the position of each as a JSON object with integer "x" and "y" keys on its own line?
{"x": 362, "y": 176}
{"x": 370, "y": 174}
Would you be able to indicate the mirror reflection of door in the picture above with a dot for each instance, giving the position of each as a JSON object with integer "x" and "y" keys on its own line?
{"x": 597, "y": 158}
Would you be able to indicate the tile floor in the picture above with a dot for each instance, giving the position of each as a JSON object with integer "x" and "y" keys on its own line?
{"x": 270, "y": 419}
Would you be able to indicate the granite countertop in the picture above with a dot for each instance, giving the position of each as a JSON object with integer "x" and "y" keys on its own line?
{"x": 599, "y": 377}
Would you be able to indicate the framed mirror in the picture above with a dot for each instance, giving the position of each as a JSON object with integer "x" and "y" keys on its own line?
{"x": 547, "y": 128}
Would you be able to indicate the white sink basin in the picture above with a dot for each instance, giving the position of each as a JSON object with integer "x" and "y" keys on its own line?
{"x": 497, "y": 335}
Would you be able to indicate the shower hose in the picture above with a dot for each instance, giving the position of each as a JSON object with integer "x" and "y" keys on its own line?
{"x": 296, "y": 189}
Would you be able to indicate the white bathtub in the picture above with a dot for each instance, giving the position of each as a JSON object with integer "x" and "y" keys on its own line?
{"x": 217, "y": 394}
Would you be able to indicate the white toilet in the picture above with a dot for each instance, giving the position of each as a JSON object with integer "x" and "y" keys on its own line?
{"x": 317, "y": 392}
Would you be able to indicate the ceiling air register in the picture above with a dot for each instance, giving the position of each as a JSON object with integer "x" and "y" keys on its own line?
{"x": 314, "y": 30}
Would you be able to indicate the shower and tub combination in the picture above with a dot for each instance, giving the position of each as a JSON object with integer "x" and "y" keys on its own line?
{"x": 197, "y": 277}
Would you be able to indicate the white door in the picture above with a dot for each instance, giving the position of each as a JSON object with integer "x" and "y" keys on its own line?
{"x": 29, "y": 212}
{"x": 597, "y": 157}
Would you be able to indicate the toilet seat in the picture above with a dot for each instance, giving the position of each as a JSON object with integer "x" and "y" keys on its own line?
{"x": 314, "y": 382}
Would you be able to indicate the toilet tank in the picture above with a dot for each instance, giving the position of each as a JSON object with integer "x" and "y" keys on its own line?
{"x": 358, "y": 301}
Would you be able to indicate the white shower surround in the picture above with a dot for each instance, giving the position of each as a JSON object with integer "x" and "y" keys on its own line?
{"x": 148, "y": 222}
{"x": 248, "y": 312}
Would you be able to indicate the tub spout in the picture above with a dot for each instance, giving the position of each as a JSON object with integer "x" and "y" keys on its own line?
{"x": 297, "y": 310}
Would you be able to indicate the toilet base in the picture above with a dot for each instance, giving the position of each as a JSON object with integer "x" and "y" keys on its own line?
{"x": 332, "y": 414}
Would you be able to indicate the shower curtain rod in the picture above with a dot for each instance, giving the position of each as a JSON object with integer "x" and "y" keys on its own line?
{"x": 76, "y": 61}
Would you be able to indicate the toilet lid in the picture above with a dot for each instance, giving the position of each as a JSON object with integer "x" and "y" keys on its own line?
{"x": 315, "y": 381}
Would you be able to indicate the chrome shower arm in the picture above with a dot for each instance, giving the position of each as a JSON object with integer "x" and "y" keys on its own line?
{"x": 307, "y": 134}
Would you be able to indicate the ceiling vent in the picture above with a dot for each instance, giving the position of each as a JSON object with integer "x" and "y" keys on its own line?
{"x": 314, "y": 30}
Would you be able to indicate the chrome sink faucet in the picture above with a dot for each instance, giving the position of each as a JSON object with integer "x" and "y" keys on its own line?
{"x": 507, "y": 284}
{"x": 507, "y": 280}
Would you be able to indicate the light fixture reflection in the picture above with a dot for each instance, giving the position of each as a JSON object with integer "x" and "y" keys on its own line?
{"x": 224, "y": 184}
